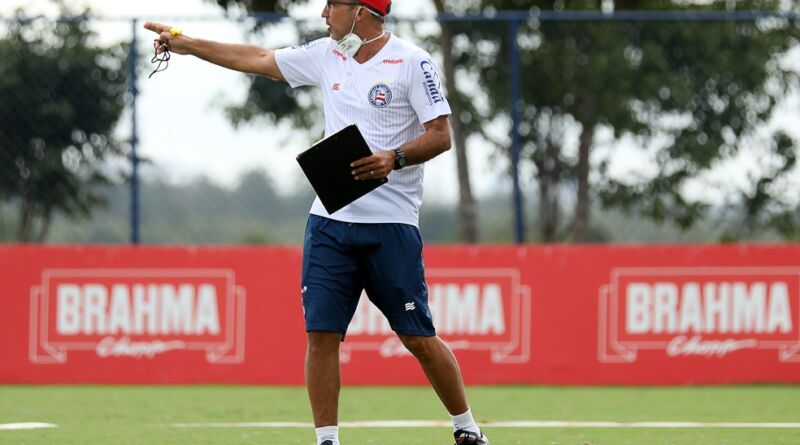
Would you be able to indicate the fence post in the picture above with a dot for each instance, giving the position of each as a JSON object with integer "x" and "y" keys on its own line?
{"x": 516, "y": 102}
{"x": 133, "y": 61}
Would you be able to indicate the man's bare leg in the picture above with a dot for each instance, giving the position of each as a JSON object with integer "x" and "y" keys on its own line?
{"x": 323, "y": 377}
{"x": 441, "y": 368}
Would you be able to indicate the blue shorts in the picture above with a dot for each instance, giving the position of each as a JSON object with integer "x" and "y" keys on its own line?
{"x": 341, "y": 259}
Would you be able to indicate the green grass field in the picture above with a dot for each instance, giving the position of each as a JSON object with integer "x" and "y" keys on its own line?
{"x": 143, "y": 414}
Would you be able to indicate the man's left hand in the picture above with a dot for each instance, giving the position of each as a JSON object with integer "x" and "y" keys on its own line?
{"x": 377, "y": 166}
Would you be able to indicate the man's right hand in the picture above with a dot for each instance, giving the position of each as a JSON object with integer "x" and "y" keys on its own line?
{"x": 249, "y": 59}
{"x": 177, "y": 44}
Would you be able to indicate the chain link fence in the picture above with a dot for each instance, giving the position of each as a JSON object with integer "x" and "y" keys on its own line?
{"x": 624, "y": 128}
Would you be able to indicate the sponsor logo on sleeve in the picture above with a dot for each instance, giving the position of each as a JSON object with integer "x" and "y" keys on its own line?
{"x": 309, "y": 45}
{"x": 380, "y": 96}
{"x": 473, "y": 309}
{"x": 137, "y": 313}
{"x": 432, "y": 83}
{"x": 705, "y": 312}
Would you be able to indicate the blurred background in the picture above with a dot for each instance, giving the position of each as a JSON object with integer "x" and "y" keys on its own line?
{"x": 656, "y": 122}
{"x": 574, "y": 121}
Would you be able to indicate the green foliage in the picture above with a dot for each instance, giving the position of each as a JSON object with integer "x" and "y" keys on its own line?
{"x": 697, "y": 90}
{"x": 252, "y": 212}
{"x": 703, "y": 87}
{"x": 717, "y": 76}
{"x": 275, "y": 102}
{"x": 267, "y": 99}
{"x": 197, "y": 212}
{"x": 62, "y": 95}
{"x": 203, "y": 212}
{"x": 258, "y": 5}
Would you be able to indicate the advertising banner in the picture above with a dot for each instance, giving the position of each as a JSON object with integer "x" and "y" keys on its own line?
{"x": 536, "y": 314}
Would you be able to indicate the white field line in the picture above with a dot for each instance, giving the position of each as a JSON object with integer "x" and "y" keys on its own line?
{"x": 515, "y": 424}
{"x": 26, "y": 426}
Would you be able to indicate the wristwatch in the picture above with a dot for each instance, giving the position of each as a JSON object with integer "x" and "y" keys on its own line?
{"x": 399, "y": 159}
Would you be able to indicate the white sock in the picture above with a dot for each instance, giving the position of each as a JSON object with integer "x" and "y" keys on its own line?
{"x": 465, "y": 422}
{"x": 328, "y": 433}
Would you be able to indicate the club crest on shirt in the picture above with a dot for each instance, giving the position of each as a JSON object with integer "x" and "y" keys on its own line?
{"x": 380, "y": 96}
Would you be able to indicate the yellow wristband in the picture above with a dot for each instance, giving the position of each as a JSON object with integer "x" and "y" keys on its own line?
{"x": 176, "y": 31}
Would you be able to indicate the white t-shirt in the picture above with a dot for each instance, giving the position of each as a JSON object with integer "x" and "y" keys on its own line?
{"x": 389, "y": 97}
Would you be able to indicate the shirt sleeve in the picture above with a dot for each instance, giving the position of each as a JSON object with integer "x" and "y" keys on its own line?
{"x": 302, "y": 65}
{"x": 427, "y": 96}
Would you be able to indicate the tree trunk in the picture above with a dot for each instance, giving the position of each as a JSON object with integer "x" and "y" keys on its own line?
{"x": 25, "y": 221}
{"x": 549, "y": 209}
{"x": 4, "y": 230}
{"x": 467, "y": 209}
{"x": 582, "y": 203}
{"x": 548, "y": 214}
{"x": 45, "y": 226}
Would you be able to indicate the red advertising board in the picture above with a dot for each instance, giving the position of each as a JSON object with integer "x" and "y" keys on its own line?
{"x": 534, "y": 314}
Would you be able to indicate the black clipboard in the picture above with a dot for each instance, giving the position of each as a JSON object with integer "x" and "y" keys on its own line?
{"x": 327, "y": 166}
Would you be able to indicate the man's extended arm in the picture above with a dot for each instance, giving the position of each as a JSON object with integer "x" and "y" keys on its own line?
{"x": 249, "y": 59}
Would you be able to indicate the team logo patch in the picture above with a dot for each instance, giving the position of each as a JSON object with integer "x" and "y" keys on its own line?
{"x": 380, "y": 96}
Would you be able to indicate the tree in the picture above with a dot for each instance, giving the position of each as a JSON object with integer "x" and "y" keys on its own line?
{"x": 279, "y": 102}
{"x": 266, "y": 99}
{"x": 62, "y": 95}
{"x": 701, "y": 89}
{"x": 462, "y": 111}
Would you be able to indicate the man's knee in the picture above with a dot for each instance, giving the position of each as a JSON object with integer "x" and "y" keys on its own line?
{"x": 323, "y": 342}
{"x": 421, "y": 347}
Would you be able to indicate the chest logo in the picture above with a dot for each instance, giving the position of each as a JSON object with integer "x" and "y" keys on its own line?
{"x": 380, "y": 96}
{"x": 340, "y": 55}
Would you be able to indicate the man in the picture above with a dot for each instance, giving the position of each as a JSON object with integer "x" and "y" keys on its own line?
{"x": 391, "y": 90}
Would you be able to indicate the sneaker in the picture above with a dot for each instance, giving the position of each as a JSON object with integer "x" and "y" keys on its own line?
{"x": 464, "y": 437}
{"x": 327, "y": 442}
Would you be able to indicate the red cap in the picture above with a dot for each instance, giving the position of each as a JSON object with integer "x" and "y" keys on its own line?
{"x": 381, "y": 6}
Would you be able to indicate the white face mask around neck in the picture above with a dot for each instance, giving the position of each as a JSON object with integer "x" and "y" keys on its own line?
{"x": 351, "y": 43}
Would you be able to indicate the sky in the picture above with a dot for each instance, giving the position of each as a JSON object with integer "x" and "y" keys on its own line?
{"x": 184, "y": 133}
